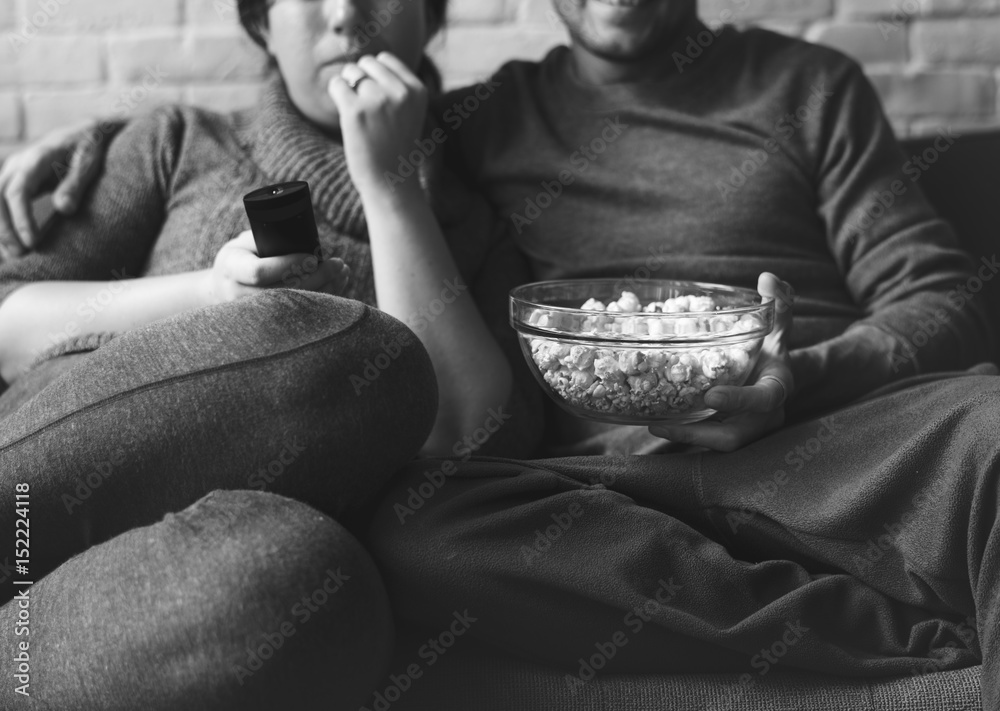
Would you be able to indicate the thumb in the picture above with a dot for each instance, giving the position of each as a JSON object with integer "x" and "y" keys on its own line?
{"x": 83, "y": 169}
{"x": 331, "y": 274}
{"x": 771, "y": 288}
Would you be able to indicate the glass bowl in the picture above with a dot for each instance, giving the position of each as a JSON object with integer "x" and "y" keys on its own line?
{"x": 649, "y": 358}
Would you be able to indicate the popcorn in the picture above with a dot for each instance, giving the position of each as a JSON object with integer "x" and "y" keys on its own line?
{"x": 713, "y": 363}
{"x": 627, "y": 317}
{"x": 651, "y": 381}
{"x": 679, "y": 373}
{"x": 701, "y": 303}
{"x": 630, "y": 361}
{"x": 629, "y": 302}
{"x": 580, "y": 357}
{"x": 581, "y": 379}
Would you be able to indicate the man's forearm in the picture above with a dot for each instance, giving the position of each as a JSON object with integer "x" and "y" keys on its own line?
{"x": 42, "y": 314}
{"x": 835, "y": 372}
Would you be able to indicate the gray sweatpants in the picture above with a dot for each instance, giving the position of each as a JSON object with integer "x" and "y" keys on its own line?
{"x": 863, "y": 543}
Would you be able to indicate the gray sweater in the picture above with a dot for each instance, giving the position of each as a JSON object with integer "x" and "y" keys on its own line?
{"x": 171, "y": 196}
{"x": 765, "y": 153}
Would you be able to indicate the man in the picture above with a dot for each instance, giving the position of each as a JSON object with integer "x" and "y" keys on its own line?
{"x": 855, "y": 538}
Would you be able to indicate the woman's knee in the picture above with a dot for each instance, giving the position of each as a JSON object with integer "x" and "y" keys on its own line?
{"x": 356, "y": 365}
{"x": 315, "y": 627}
{"x": 361, "y": 401}
{"x": 245, "y": 600}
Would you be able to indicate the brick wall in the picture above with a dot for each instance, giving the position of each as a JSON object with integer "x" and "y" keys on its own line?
{"x": 935, "y": 62}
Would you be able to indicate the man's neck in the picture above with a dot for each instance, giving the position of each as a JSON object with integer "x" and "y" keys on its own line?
{"x": 596, "y": 70}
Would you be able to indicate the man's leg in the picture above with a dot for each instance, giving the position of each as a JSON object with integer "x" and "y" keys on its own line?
{"x": 244, "y": 600}
{"x": 739, "y": 561}
{"x": 302, "y": 394}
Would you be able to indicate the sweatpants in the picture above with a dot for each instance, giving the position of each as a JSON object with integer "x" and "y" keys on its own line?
{"x": 864, "y": 542}
{"x": 176, "y": 506}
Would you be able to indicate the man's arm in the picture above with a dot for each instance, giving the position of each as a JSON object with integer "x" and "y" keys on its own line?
{"x": 106, "y": 243}
{"x": 68, "y": 159}
{"x": 900, "y": 262}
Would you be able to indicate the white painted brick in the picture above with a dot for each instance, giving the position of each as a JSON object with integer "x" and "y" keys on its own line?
{"x": 47, "y": 110}
{"x": 96, "y": 15}
{"x": 964, "y": 40}
{"x": 933, "y": 92}
{"x": 777, "y": 9}
{"x": 8, "y": 67}
{"x": 865, "y": 41}
{"x": 900, "y": 126}
{"x": 199, "y": 13}
{"x": 960, "y": 7}
{"x": 54, "y": 59}
{"x": 933, "y": 124}
{"x": 476, "y": 52}
{"x": 901, "y": 9}
{"x": 218, "y": 54}
{"x": 537, "y": 12}
{"x": 782, "y": 27}
{"x": 7, "y": 149}
{"x": 482, "y": 11}
{"x": 88, "y": 51}
{"x": 7, "y": 13}
{"x": 10, "y": 116}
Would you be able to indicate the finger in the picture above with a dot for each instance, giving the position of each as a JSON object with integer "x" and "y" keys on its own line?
{"x": 18, "y": 197}
{"x": 338, "y": 287}
{"x": 10, "y": 245}
{"x": 766, "y": 395}
{"x": 342, "y": 94}
{"x": 771, "y": 383}
{"x": 330, "y": 277}
{"x": 84, "y": 166}
{"x": 240, "y": 263}
{"x": 771, "y": 288}
{"x": 400, "y": 69}
{"x": 386, "y": 78}
{"x": 309, "y": 275}
{"x": 244, "y": 240}
{"x": 718, "y": 436}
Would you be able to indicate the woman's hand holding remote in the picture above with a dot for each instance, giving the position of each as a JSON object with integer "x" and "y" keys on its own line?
{"x": 238, "y": 271}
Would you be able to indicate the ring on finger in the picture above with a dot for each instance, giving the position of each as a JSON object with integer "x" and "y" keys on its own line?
{"x": 354, "y": 75}
{"x": 784, "y": 390}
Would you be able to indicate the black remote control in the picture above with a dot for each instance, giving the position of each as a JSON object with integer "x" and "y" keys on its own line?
{"x": 282, "y": 220}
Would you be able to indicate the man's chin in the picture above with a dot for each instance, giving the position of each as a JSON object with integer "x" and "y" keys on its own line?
{"x": 625, "y": 50}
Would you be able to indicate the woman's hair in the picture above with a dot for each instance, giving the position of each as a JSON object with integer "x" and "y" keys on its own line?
{"x": 253, "y": 16}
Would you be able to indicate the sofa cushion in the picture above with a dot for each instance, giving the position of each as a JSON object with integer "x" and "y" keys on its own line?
{"x": 470, "y": 676}
{"x": 962, "y": 182}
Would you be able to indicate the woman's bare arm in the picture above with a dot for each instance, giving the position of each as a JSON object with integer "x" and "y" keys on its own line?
{"x": 42, "y": 314}
{"x": 416, "y": 278}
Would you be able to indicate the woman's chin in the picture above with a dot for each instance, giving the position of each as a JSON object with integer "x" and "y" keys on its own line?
{"x": 321, "y": 112}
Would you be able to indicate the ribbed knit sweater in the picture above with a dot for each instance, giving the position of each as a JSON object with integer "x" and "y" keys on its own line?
{"x": 171, "y": 195}
{"x": 172, "y": 189}
{"x": 757, "y": 152}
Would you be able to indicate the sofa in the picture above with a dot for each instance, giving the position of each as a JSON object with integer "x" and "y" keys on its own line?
{"x": 961, "y": 179}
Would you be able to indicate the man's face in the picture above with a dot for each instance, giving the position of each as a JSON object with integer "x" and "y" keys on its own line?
{"x": 624, "y": 30}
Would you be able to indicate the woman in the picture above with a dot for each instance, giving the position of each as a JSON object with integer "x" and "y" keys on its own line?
{"x": 131, "y": 398}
